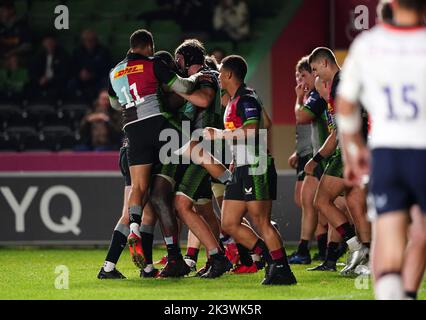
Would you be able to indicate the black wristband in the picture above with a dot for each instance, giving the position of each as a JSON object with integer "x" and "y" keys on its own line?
{"x": 318, "y": 157}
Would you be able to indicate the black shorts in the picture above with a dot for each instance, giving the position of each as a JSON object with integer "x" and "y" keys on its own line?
{"x": 124, "y": 166}
{"x": 144, "y": 140}
{"x": 247, "y": 187}
{"x": 195, "y": 183}
{"x": 398, "y": 180}
{"x": 300, "y": 170}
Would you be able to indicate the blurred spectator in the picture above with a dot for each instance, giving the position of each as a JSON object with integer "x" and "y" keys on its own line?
{"x": 49, "y": 71}
{"x": 14, "y": 33}
{"x": 13, "y": 80}
{"x": 211, "y": 62}
{"x": 193, "y": 14}
{"x": 100, "y": 129}
{"x": 218, "y": 54}
{"x": 91, "y": 63}
{"x": 231, "y": 20}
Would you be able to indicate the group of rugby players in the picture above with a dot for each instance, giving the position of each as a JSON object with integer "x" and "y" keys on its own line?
{"x": 174, "y": 181}
{"x": 331, "y": 147}
{"x": 160, "y": 93}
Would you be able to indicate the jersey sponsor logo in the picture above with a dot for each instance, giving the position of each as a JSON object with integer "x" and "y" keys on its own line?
{"x": 129, "y": 70}
{"x": 249, "y": 190}
{"x": 230, "y": 125}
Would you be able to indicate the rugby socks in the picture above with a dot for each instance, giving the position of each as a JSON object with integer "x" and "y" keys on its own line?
{"x": 226, "y": 239}
{"x": 332, "y": 252}
{"x": 135, "y": 213}
{"x": 117, "y": 244}
{"x": 261, "y": 249}
{"x": 411, "y": 295}
{"x": 322, "y": 244}
{"x": 245, "y": 257}
{"x": 280, "y": 257}
{"x": 226, "y": 177}
{"x": 192, "y": 253}
{"x": 147, "y": 234}
{"x": 173, "y": 249}
{"x": 303, "y": 248}
{"x": 389, "y": 286}
{"x": 346, "y": 231}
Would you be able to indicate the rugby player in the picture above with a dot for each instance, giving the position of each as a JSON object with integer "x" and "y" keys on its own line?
{"x": 324, "y": 64}
{"x": 193, "y": 199}
{"x": 385, "y": 70}
{"x": 143, "y": 259}
{"x": 310, "y": 112}
{"x": 249, "y": 193}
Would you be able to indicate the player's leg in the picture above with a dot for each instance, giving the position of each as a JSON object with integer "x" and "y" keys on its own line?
{"x": 200, "y": 156}
{"x": 149, "y": 219}
{"x": 321, "y": 234}
{"x": 308, "y": 223}
{"x": 330, "y": 187}
{"x": 118, "y": 243}
{"x": 162, "y": 194}
{"x": 192, "y": 250}
{"x": 195, "y": 186}
{"x": 415, "y": 254}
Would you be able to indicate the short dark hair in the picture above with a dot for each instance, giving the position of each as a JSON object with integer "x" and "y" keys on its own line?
{"x": 193, "y": 51}
{"x": 167, "y": 58}
{"x": 322, "y": 53}
{"x": 384, "y": 11}
{"x": 141, "y": 38}
{"x": 237, "y": 65}
{"x": 303, "y": 64}
{"x": 417, "y": 5}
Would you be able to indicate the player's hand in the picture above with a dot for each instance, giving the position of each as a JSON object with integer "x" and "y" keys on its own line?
{"x": 231, "y": 167}
{"x": 201, "y": 76}
{"x": 210, "y": 133}
{"x": 310, "y": 167}
{"x": 300, "y": 91}
{"x": 292, "y": 161}
{"x": 357, "y": 165}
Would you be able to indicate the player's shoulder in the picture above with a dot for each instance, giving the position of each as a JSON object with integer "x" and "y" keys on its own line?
{"x": 248, "y": 98}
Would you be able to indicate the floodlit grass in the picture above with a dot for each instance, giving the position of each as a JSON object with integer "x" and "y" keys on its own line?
{"x": 30, "y": 274}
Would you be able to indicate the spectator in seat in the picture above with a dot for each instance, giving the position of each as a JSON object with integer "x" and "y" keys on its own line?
{"x": 231, "y": 20}
{"x": 100, "y": 129}
{"x": 13, "y": 80}
{"x": 91, "y": 62}
{"x": 49, "y": 71}
{"x": 14, "y": 33}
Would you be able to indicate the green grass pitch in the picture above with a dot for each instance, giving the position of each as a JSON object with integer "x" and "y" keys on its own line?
{"x": 29, "y": 273}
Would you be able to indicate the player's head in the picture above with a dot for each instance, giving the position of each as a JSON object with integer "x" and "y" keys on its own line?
{"x": 141, "y": 41}
{"x": 168, "y": 59}
{"x": 305, "y": 71}
{"x": 323, "y": 63}
{"x": 414, "y": 6}
{"x": 233, "y": 70}
{"x": 211, "y": 63}
{"x": 190, "y": 52}
{"x": 321, "y": 87}
{"x": 384, "y": 11}
{"x": 297, "y": 77}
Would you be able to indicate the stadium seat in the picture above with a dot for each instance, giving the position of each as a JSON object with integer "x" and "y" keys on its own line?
{"x": 10, "y": 114}
{"x": 55, "y": 137}
{"x": 22, "y": 136}
{"x": 74, "y": 111}
{"x": 41, "y": 114}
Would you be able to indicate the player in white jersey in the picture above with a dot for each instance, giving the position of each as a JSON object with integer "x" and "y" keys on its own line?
{"x": 386, "y": 71}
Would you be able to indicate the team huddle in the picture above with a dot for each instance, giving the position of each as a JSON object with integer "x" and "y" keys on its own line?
{"x": 218, "y": 152}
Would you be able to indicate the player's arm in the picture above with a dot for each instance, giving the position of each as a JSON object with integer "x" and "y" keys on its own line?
{"x": 113, "y": 99}
{"x": 202, "y": 97}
